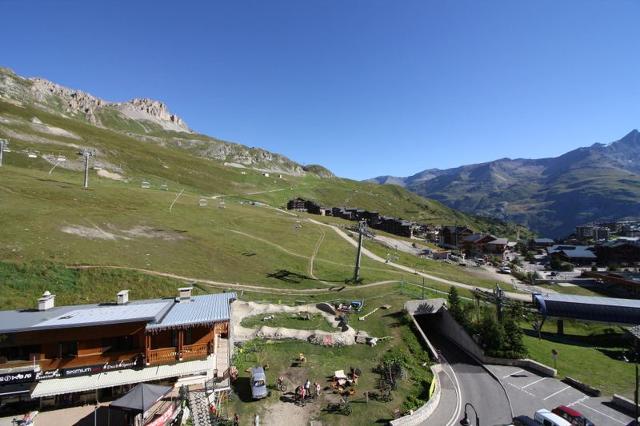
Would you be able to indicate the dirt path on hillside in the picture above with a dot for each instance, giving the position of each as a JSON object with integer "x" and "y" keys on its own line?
{"x": 369, "y": 254}
{"x": 315, "y": 253}
{"x": 255, "y": 288}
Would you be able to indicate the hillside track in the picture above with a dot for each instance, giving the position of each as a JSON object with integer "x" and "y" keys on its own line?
{"x": 248, "y": 287}
{"x": 369, "y": 254}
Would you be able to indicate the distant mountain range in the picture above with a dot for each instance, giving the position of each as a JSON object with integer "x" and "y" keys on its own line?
{"x": 549, "y": 195}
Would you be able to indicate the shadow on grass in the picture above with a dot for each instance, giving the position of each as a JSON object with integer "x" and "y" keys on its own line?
{"x": 295, "y": 278}
{"x": 242, "y": 388}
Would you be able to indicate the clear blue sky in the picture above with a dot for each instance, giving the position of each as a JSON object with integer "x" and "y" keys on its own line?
{"x": 363, "y": 87}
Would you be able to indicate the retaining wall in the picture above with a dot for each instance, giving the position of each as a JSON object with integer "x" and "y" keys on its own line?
{"x": 421, "y": 415}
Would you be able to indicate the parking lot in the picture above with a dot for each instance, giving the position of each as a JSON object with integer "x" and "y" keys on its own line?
{"x": 529, "y": 392}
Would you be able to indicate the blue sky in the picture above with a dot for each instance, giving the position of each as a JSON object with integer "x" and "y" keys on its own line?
{"x": 365, "y": 88}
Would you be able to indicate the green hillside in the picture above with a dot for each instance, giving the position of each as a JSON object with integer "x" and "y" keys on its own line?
{"x": 170, "y": 202}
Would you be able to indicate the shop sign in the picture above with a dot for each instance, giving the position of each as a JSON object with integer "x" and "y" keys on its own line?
{"x": 49, "y": 374}
{"x": 86, "y": 370}
{"x": 22, "y": 377}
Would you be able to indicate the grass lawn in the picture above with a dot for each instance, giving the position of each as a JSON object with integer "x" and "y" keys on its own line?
{"x": 288, "y": 320}
{"x": 587, "y": 352}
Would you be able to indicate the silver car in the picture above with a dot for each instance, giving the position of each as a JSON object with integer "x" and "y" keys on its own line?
{"x": 258, "y": 383}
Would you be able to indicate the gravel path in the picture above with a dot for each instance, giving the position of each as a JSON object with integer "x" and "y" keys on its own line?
{"x": 241, "y": 309}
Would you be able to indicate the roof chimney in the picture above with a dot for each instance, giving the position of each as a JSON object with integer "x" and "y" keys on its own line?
{"x": 184, "y": 294}
{"x": 123, "y": 297}
{"x": 47, "y": 301}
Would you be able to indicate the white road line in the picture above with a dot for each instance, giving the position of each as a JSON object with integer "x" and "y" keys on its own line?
{"x": 602, "y": 414}
{"x": 521, "y": 390}
{"x": 533, "y": 383}
{"x": 555, "y": 393}
{"x": 584, "y": 398}
{"x": 515, "y": 372}
{"x": 454, "y": 419}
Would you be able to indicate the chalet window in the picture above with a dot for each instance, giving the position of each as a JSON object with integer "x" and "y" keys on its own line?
{"x": 174, "y": 338}
{"x": 118, "y": 344}
{"x": 68, "y": 349}
{"x": 188, "y": 340}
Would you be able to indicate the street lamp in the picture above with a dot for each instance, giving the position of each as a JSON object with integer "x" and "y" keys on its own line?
{"x": 465, "y": 421}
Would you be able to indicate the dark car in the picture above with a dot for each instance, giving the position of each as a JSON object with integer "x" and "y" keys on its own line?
{"x": 571, "y": 415}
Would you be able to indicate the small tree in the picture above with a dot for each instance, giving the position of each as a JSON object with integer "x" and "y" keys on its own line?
{"x": 491, "y": 333}
{"x": 455, "y": 305}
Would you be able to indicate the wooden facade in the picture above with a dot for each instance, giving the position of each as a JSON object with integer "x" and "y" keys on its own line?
{"x": 86, "y": 346}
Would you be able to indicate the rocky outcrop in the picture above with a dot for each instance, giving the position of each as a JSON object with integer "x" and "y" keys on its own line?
{"x": 56, "y": 98}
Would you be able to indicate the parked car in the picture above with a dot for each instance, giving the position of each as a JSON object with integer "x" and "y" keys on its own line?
{"x": 258, "y": 383}
{"x": 573, "y": 416}
{"x": 545, "y": 417}
{"x": 505, "y": 270}
{"x": 553, "y": 273}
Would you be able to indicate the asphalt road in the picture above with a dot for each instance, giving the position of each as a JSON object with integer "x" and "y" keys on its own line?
{"x": 475, "y": 384}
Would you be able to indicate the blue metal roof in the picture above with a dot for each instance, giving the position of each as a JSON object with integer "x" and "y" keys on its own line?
{"x": 601, "y": 309}
{"x": 198, "y": 310}
{"x": 33, "y": 319}
{"x": 100, "y": 315}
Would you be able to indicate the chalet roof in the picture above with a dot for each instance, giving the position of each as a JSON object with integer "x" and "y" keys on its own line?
{"x": 157, "y": 313}
{"x": 477, "y": 237}
{"x": 205, "y": 309}
{"x": 573, "y": 252}
{"x": 543, "y": 241}
{"x": 82, "y": 315}
{"x": 499, "y": 241}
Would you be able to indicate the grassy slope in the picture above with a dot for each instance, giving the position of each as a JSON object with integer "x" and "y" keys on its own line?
{"x": 587, "y": 352}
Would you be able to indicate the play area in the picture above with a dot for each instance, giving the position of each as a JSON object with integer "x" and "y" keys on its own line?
{"x": 342, "y": 371}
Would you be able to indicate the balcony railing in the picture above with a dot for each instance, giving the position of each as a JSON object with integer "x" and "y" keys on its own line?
{"x": 169, "y": 355}
{"x": 162, "y": 356}
{"x": 200, "y": 350}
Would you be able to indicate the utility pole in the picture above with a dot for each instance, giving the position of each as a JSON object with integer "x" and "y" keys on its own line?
{"x": 356, "y": 273}
{"x": 636, "y": 393}
{"x": 86, "y": 153}
{"x": 3, "y": 144}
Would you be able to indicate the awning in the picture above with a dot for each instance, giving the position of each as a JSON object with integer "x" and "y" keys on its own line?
{"x": 110, "y": 379}
{"x": 142, "y": 397}
{"x": 15, "y": 389}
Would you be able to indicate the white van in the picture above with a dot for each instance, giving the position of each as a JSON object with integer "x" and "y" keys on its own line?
{"x": 547, "y": 418}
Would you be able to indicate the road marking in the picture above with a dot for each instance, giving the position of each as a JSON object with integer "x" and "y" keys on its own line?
{"x": 584, "y": 398}
{"x": 555, "y": 393}
{"x": 602, "y": 414}
{"x": 534, "y": 382}
{"x": 515, "y": 372}
{"x": 520, "y": 389}
{"x": 456, "y": 384}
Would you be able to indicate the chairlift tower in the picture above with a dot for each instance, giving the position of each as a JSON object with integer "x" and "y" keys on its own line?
{"x": 3, "y": 144}
{"x": 86, "y": 153}
{"x": 362, "y": 229}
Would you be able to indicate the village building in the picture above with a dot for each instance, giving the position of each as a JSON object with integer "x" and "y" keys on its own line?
{"x": 577, "y": 255}
{"x": 623, "y": 250}
{"x": 453, "y": 236}
{"x": 66, "y": 355}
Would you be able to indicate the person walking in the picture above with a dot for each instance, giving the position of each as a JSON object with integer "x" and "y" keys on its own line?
{"x": 307, "y": 387}
{"x": 317, "y": 385}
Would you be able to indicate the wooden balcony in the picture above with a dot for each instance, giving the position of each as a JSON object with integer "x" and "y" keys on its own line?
{"x": 162, "y": 356}
{"x": 195, "y": 351}
{"x": 170, "y": 355}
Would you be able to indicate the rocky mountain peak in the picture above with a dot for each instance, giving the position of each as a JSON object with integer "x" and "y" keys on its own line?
{"x": 157, "y": 110}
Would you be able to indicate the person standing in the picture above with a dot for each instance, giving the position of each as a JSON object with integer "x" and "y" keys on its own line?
{"x": 317, "y": 385}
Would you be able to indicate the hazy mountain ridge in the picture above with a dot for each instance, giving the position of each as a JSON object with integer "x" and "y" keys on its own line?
{"x": 549, "y": 195}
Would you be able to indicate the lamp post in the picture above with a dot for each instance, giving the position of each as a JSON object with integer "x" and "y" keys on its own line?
{"x": 465, "y": 421}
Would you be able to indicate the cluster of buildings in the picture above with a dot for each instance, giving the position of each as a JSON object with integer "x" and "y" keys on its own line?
{"x": 56, "y": 356}
{"x": 598, "y": 232}
{"x": 473, "y": 243}
{"x": 374, "y": 220}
